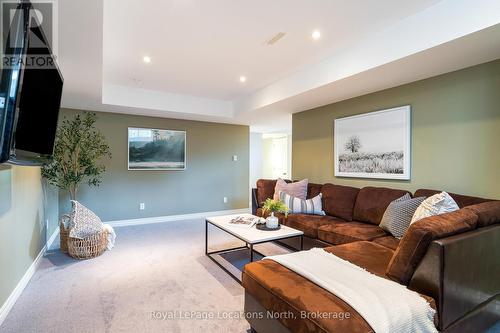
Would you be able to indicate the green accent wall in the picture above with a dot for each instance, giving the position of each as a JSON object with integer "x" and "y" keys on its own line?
{"x": 28, "y": 208}
{"x": 455, "y": 133}
{"x": 211, "y": 174}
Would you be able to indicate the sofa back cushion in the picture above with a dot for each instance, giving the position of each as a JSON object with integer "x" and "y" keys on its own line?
{"x": 339, "y": 200}
{"x": 461, "y": 200}
{"x": 488, "y": 213}
{"x": 313, "y": 190}
{"x": 265, "y": 189}
{"x": 372, "y": 202}
{"x": 414, "y": 244}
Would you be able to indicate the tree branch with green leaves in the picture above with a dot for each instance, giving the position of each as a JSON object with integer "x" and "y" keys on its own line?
{"x": 78, "y": 152}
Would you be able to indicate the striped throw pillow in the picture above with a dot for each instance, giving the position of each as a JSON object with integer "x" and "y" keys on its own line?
{"x": 398, "y": 215}
{"x": 298, "y": 206}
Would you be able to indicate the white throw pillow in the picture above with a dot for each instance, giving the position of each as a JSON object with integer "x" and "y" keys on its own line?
{"x": 298, "y": 206}
{"x": 437, "y": 204}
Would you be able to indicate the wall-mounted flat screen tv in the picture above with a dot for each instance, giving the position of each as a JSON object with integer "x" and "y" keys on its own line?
{"x": 30, "y": 91}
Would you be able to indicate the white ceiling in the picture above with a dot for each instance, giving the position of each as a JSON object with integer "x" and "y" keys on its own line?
{"x": 199, "y": 49}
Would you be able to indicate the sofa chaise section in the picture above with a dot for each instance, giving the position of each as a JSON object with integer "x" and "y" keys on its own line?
{"x": 280, "y": 290}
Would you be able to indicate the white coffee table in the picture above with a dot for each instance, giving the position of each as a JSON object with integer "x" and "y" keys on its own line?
{"x": 251, "y": 236}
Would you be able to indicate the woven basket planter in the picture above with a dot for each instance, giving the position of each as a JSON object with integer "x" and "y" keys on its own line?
{"x": 89, "y": 247}
{"x": 63, "y": 234}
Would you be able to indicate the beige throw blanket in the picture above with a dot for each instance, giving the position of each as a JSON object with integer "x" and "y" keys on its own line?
{"x": 387, "y": 306}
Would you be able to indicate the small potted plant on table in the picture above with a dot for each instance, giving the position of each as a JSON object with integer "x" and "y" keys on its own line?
{"x": 274, "y": 206}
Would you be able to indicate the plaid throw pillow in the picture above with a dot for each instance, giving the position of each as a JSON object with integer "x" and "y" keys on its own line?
{"x": 298, "y": 206}
{"x": 398, "y": 215}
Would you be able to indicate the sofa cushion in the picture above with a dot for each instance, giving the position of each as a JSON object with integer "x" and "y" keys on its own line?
{"x": 389, "y": 241}
{"x": 461, "y": 200}
{"x": 280, "y": 290}
{"x": 265, "y": 190}
{"x": 309, "y": 224}
{"x": 348, "y": 232}
{"x": 371, "y": 256}
{"x": 372, "y": 202}
{"x": 313, "y": 190}
{"x": 488, "y": 213}
{"x": 339, "y": 200}
{"x": 415, "y": 242}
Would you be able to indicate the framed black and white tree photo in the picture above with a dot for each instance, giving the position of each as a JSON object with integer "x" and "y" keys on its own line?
{"x": 374, "y": 145}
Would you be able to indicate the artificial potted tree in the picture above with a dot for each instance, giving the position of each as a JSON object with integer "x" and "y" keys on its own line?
{"x": 274, "y": 206}
{"x": 78, "y": 152}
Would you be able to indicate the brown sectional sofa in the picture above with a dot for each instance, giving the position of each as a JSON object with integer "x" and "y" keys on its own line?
{"x": 453, "y": 260}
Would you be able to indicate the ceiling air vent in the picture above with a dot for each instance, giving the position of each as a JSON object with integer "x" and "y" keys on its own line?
{"x": 275, "y": 38}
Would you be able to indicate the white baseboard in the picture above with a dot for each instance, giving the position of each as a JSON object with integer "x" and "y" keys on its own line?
{"x": 9, "y": 303}
{"x": 52, "y": 238}
{"x": 170, "y": 218}
{"x": 11, "y": 300}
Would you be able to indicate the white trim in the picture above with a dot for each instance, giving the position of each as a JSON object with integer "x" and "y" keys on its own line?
{"x": 11, "y": 300}
{"x": 14, "y": 295}
{"x": 52, "y": 238}
{"x": 170, "y": 218}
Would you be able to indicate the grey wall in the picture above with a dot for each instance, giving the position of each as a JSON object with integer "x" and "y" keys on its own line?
{"x": 210, "y": 174}
{"x": 26, "y": 207}
{"x": 29, "y": 207}
{"x": 455, "y": 133}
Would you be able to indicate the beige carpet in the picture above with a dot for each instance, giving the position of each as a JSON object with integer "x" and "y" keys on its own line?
{"x": 158, "y": 268}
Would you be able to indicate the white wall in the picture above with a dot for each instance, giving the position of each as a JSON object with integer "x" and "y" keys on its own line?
{"x": 256, "y": 158}
{"x": 267, "y": 153}
{"x": 274, "y": 149}
{"x": 263, "y": 156}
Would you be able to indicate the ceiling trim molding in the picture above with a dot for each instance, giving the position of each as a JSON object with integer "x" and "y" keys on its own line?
{"x": 158, "y": 100}
{"x": 429, "y": 28}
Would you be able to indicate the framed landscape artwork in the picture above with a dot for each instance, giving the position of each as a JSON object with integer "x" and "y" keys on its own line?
{"x": 156, "y": 149}
{"x": 374, "y": 145}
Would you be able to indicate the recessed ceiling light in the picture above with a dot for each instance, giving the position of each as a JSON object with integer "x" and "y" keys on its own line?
{"x": 147, "y": 59}
{"x": 243, "y": 79}
{"x": 316, "y": 35}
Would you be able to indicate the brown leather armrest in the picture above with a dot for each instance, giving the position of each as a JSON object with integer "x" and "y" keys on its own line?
{"x": 462, "y": 274}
